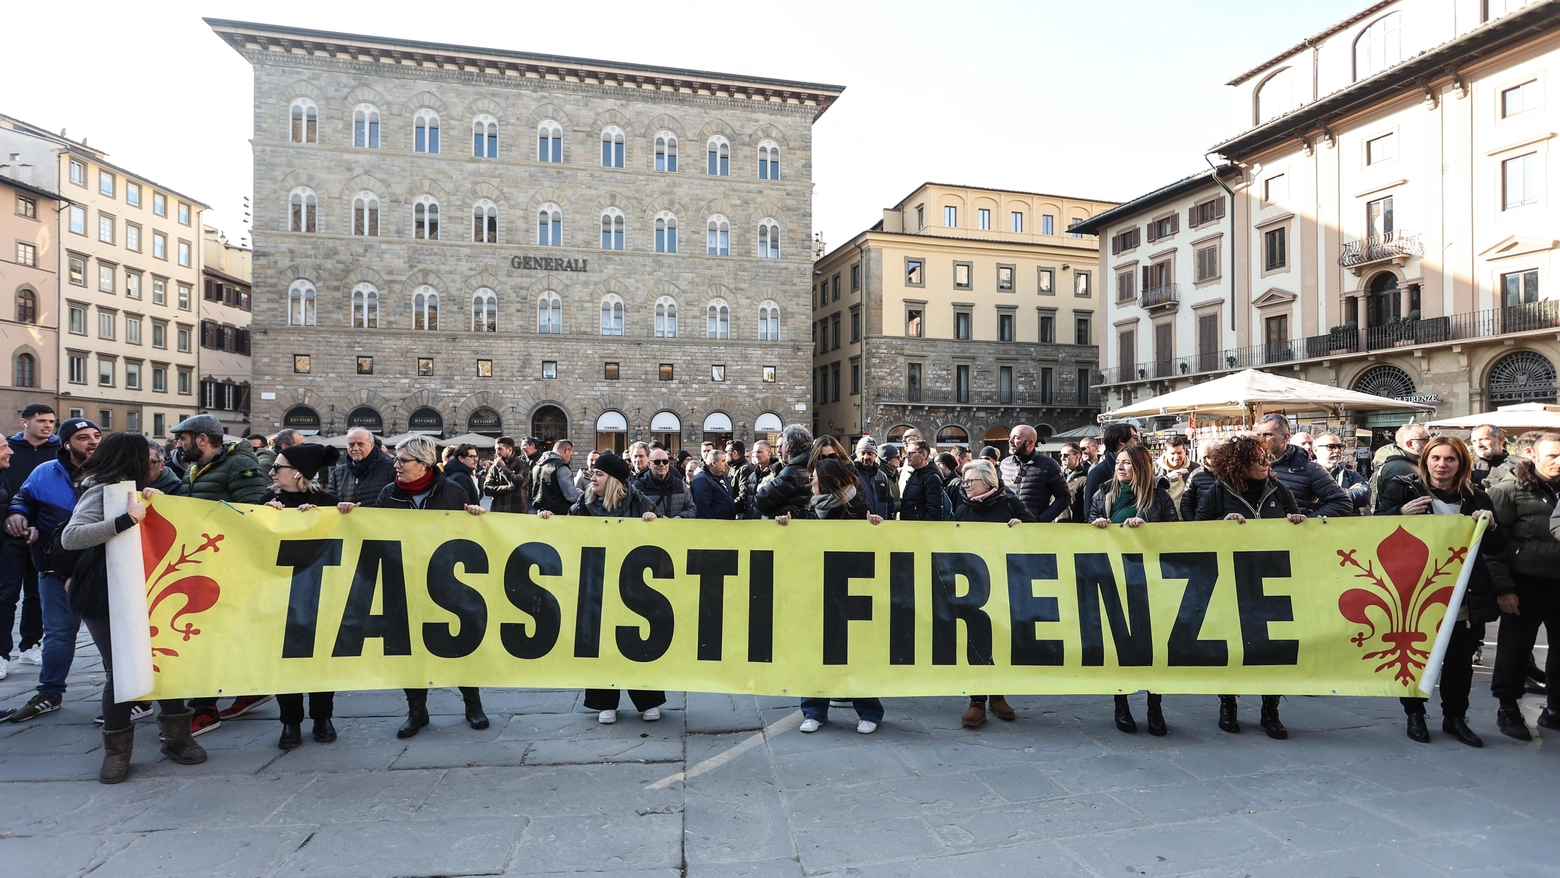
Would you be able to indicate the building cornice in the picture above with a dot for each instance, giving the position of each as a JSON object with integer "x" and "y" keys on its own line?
{"x": 259, "y": 41}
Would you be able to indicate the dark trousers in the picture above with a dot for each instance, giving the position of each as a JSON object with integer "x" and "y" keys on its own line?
{"x": 419, "y": 697}
{"x": 116, "y": 714}
{"x": 607, "y": 699}
{"x": 18, "y": 587}
{"x": 322, "y": 705}
{"x": 981, "y": 699}
{"x": 1539, "y": 604}
{"x": 1456, "y": 673}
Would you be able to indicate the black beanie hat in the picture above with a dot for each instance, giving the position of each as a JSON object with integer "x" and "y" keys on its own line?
{"x": 309, "y": 457}
{"x": 614, "y": 466}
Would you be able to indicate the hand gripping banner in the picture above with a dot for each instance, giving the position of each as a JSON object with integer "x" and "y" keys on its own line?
{"x": 252, "y": 600}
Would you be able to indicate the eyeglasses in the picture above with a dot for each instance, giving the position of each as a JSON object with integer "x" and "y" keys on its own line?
{"x": 662, "y": 462}
{"x": 406, "y": 461}
{"x": 1419, "y": 441}
{"x": 1330, "y": 445}
{"x": 830, "y": 456}
{"x": 281, "y": 466}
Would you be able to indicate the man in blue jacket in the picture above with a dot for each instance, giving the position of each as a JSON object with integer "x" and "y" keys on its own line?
{"x": 44, "y": 503}
{"x": 33, "y": 445}
{"x": 712, "y": 496}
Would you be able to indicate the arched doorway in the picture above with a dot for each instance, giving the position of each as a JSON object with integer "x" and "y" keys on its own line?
{"x": 612, "y": 433}
{"x": 1385, "y": 380}
{"x": 426, "y": 420}
{"x": 666, "y": 428}
{"x": 768, "y": 427}
{"x": 997, "y": 437}
{"x": 1523, "y": 376}
{"x": 548, "y": 425}
{"x": 365, "y": 418}
{"x": 303, "y": 419}
{"x": 952, "y": 435}
{"x": 1384, "y": 300}
{"x": 896, "y": 433}
{"x": 717, "y": 429}
{"x": 485, "y": 422}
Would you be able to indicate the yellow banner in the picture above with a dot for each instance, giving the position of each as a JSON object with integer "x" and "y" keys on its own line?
{"x": 248, "y": 600}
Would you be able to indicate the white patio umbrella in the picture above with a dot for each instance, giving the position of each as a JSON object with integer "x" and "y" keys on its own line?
{"x": 1248, "y": 394}
{"x": 1521, "y": 416}
{"x": 397, "y": 439}
{"x": 477, "y": 439}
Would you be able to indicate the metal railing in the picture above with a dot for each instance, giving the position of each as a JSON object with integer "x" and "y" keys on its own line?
{"x": 1398, "y": 244}
{"x": 1164, "y": 294}
{"x": 1012, "y": 399}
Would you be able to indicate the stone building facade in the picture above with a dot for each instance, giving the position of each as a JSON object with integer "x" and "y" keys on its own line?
{"x": 453, "y": 239}
{"x": 225, "y": 304}
{"x": 30, "y": 321}
{"x": 964, "y": 312}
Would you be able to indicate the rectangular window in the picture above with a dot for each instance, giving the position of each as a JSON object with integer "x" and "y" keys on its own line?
{"x": 184, "y": 297}
{"x": 951, "y": 216}
{"x": 133, "y": 198}
{"x": 159, "y": 245}
{"x": 961, "y": 382}
{"x": 160, "y": 335}
{"x": 1207, "y": 212}
{"x": 1519, "y": 180}
{"x": 717, "y": 372}
{"x": 855, "y": 376}
{"x": 834, "y": 328}
{"x": 1126, "y": 286}
{"x": 184, "y": 213}
{"x": 984, "y": 216}
{"x": 855, "y": 277}
{"x": 26, "y": 254}
{"x": 132, "y": 376}
{"x": 1275, "y": 187}
{"x": 78, "y": 320}
{"x": 612, "y": 372}
{"x": 1016, "y": 222}
{"x": 1047, "y": 283}
{"x": 549, "y": 369}
{"x": 1081, "y": 333}
{"x": 834, "y": 382}
{"x": 184, "y": 253}
{"x": 106, "y": 320}
{"x": 961, "y": 275}
{"x": 1276, "y": 337}
{"x": 106, "y": 419}
{"x": 1519, "y": 288}
{"x": 769, "y": 374}
{"x": 1047, "y": 327}
{"x": 106, "y": 277}
{"x": 1519, "y": 98}
{"x": 132, "y": 329}
{"x": 836, "y": 288}
{"x": 1004, "y": 278}
{"x": 913, "y": 382}
{"x": 105, "y": 228}
{"x": 365, "y": 365}
{"x": 105, "y": 373}
{"x": 914, "y": 327}
{"x": 1208, "y": 262}
{"x": 106, "y": 183}
{"x": 1047, "y": 385}
{"x": 301, "y": 364}
{"x": 1005, "y": 326}
{"x": 185, "y": 382}
{"x": 78, "y": 173}
{"x": 1126, "y": 354}
{"x": 1380, "y": 149}
{"x": 26, "y": 207}
{"x": 1208, "y": 342}
{"x": 914, "y": 273}
{"x": 159, "y": 379}
{"x": 425, "y": 367}
{"x": 1081, "y": 284}
{"x": 133, "y": 237}
{"x": 1275, "y": 252}
{"x": 78, "y": 220}
{"x": 159, "y": 425}
{"x": 159, "y": 204}
{"x": 78, "y": 369}
{"x": 1164, "y": 350}
{"x": 855, "y": 325}
{"x": 132, "y": 285}
{"x": 1072, "y": 225}
{"x": 1047, "y": 224}
{"x": 77, "y": 266}
{"x": 961, "y": 325}
{"x": 159, "y": 291}
{"x": 665, "y": 372}
{"x": 184, "y": 339}
{"x": 1083, "y": 386}
{"x": 484, "y": 368}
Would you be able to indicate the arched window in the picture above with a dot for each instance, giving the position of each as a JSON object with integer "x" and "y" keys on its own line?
{"x": 769, "y": 239}
{"x": 549, "y": 314}
{"x": 719, "y": 319}
{"x": 484, "y": 137}
{"x": 612, "y": 147}
{"x": 612, "y": 315}
{"x": 484, "y": 222}
{"x": 665, "y": 233}
{"x": 769, "y": 160}
{"x": 300, "y": 303}
{"x": 719, "y": 243}
{"x": 305, "y": 117}
{"x": 425, "y": 218}
{"x": 666, "y": 317}
{"x": 484, "y": 311}
{"x": 303, "y": 209}
{"x": 549, "y": 226}
{"x": 425, "y": 308}
{"x": 26, "y": 371}
{"x": 769, "y": 322}
{"x": 1378, "y": 47}
{"x": 666, "y": 152}
{"x": 365, "y": 126}
{"x": 612, "y": 228}
{"x": 26, "y": 306}
{"x": 1522, "y": 376}
{"x": 425, "y": 132}
{"x": 719, "y": 164}
{"x": 549, "y": 142}
{"x": 1275, "y": 96}
{"x": 365, "y": 214}
{"x": 365, "y": 306}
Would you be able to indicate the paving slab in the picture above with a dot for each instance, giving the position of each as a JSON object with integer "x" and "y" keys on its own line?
{"x": 600, "y": 843}
{"x": 394, "y": 848}
{"x": 198, "y": 854}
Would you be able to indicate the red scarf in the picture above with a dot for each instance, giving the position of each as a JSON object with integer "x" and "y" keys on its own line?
{"x": 419, "y": 486}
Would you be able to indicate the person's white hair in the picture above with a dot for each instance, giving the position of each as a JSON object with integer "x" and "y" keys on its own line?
{"x": 983, "y": 470}
{"x": 420, "y": 448}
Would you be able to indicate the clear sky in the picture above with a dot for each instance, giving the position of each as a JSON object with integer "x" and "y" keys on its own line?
{"x": 1094, "y": 99}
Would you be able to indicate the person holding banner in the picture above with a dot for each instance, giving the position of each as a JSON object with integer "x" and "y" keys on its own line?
{"x": 836, "y": 496}
{"x": 1246, "y": 487}
{"x": 419, "y": 485}
{"x": 984, "y": 500}
{"x": 123, "y": 457}
{"x": 1132, "y": 498}
{"x": 1444, "y": 486}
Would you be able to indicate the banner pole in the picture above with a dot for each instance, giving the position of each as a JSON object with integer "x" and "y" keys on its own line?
{"x": 128, "y": 617}
{"x": 1443, "y": 634}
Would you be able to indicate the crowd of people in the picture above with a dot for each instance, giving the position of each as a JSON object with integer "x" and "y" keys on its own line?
{"x": 56, "y": 528}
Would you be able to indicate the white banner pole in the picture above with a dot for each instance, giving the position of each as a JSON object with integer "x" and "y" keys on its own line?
{"x": 1443, "y": 635}
{"x": 128, "y": 617}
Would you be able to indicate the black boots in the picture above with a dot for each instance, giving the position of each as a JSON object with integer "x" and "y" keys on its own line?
{"x": 1227, "y": 720}
{"x": 116, "y": 755}
{"x": 1416, "y": 728}
{"x": 1549, "y": 719}
{"x": 416, "y": 713}
{"x": 1512, "y": 725}
{"x": 324, "y": 730}
{"x": 292, "y": 736}
{"x": 1156, "y": 716}
{"x": 474, "y": 715}
{"x": 1124, "y": 720}
{"x": 1270, "y": 721}
{"x": 1457, "y": 727}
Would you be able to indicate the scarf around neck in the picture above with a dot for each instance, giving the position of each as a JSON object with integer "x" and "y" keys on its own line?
{"x": 418, "y": 486}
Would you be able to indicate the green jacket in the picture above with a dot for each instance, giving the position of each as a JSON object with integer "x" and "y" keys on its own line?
{"x": 234, "y": 475}
{"x": 167, "y": 482}
{"x": 1522, "y": 508}
{"x": 893, "y": 499}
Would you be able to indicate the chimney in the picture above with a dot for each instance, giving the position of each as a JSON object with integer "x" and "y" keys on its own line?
{"x": 893, "y": 220}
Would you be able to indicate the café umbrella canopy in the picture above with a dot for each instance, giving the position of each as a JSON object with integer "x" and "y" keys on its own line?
{"x": 1510, "y": 418}
{"x": 480, "y": 441}
{"x": 1246, "y": 396}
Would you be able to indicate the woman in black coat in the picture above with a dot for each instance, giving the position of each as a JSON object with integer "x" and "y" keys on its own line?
{"x": 419, "y": 485}
{"x": 1444, "y": 486}
{"x": 1132, "y": 498}
{"x": 981, "y": 498}
{"x": 1246, "y": 488}
{"x": 612, "y": 495}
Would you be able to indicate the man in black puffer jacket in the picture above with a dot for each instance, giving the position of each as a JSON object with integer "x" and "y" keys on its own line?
{"x": 790, "y": 491}
{"x": 922, "y": 496}
{"x": 1313, "y": 489}
{"x": 1034, "y": 478}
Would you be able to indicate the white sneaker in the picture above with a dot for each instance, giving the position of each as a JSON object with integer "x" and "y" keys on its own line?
{"x": 5, "y": 668}
{"x": 866, "y": 727}
{"x": 607, "y": 717}
{"x": 651, "y": 715}
{"x": 810, "y": 725}
{"x": 32, "y": 656}
{"x": 841, "y": 702}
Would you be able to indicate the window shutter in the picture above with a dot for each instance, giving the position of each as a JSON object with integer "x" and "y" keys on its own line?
{"x": 1152, "y": 236}
{"x": 1191, "y": 216}
{"x": 1175, "y": 223}
{"x": 1115, "y": 243}
{"x": 1218, "y": 208}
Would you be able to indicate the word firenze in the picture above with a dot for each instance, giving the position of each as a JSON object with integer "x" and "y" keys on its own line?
{"x": 548, "y": 263}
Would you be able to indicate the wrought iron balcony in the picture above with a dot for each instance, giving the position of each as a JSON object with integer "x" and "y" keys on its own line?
{"x": 1394, "y": 247}
{"x": 1166, "y": 296}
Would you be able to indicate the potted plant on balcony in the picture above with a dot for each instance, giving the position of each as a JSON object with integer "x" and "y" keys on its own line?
{"x": 1401, "y": 330}
{"x": 1342, "y": 339}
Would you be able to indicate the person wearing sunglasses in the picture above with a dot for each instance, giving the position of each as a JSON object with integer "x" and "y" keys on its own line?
{"x": 1332, "y": 456}
{"x": 669, "y": 496}
{"x": 1398, "y": 460}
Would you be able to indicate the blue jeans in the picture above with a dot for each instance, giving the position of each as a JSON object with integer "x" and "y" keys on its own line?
{"x": 60, "y": 627}
{"x": 869, "y": 709}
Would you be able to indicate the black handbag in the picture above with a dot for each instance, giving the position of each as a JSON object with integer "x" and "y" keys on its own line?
{"x": 88, "y": 588}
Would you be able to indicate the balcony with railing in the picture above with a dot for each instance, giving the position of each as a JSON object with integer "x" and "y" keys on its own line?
{"x": 1086, "y": 397}
{"x": 1394, "y": 247}
{"x": 1163, "y": 297}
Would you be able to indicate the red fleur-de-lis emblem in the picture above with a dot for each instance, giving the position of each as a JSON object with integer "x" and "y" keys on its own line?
{"x": 198, "y": 593}
{"x": 1399, "y": 602}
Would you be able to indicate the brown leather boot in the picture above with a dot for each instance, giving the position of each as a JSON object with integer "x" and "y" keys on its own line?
{"x": 116, "y": 755}
{"x": 178, "y": 745}
{"x": 999, "y": 706}
{"x": 975, "y": 716}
